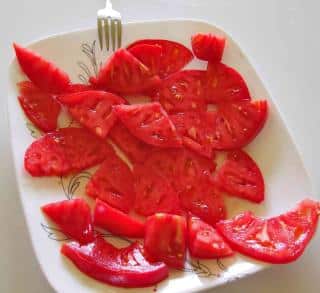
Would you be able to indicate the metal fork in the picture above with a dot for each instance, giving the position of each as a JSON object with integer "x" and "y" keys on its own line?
{"x": 109, "y": 25}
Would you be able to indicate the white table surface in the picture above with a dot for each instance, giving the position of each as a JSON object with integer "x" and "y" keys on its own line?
{"x": 282, "y": 40}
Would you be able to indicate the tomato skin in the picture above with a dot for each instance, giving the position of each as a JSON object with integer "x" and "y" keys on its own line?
{"x": 204, "y": 241}
{"x": 116, "y": 222}
{"x": 44, "y": 74}
{"x": 125, "y": 267}
{"x": 240, "y": 176}
{"x": 171, "y": 246}
{"x": 73, "y": 217}
{"x": 40, "y": 108}
{"x": 277, "y": 240}
{"x": 208, "y": 47}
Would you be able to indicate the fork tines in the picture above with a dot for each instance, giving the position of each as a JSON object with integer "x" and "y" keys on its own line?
{"x": 109, "y": 27}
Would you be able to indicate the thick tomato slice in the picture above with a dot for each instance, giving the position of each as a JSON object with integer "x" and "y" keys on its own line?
{"x": 113, "y": 183}
{"x": 204, "y": 241}
{"x": 135, "y": 149}
{"x": 125, "y": 74}
{"x": 126, "y": 267}
{"x": 93, "y": 109}
{"x": 41, "y": 108}
{"x": 44, "y": 74}
{"x": 240, "y": 176}
{"x": 236, "y": 124}
{"x": 174, "y": 55}
{"x": 165, "y": 239}
{"x": 225, "y": 84}
{"x": 116, "y": 221}
{"x": 64, "y": 151}
{"x": 73, "y": 217}
{"x": 204, "y": 200}
{"x": 208, "y": 47}
{"x": 182, "y": 91}
{"x": 149, "y": 55}
{"x": 280, "y": 239}
{"x": 150, "y": 123}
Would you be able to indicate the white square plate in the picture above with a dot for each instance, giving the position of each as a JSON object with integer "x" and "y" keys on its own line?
{"x": 75, "y": 52}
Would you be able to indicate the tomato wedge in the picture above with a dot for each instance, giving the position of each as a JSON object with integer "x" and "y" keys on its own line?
{"x": 65, "y": 151}
{"x": 183, "y": 91}
{"x": 73, "y": 217}
{"x": 204, "y": 241}
{"x": 125, "y": 267}
{"x": 44, "y": 74}
{"x": 174, "y": 55}
{"x": 150, "y": 123}
{"x": 113, "y": 183}
{"x": 240, "y": 176}
{"x": 149, "y": 55}
{"x": 225, "y": 84}
{"x": 93, "y": 109}
{"x": 125, "y": 74}
{"x": 280, "y": 239}
{"x": 40, "y": 108}
{"x": 116, "y": 222}
{"x": 165, "y": 239}
{"x": 208, "y": 47}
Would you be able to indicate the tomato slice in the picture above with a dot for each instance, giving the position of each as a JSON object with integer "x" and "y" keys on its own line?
{"x": 165, "y": 239}
{"x": 183, "y": 91}
{"x": 149, "y": 55}
{"x": 204, "y": 241}
{"x": 116, "y": 222}
{"x": 237, "y": 124}
{"x": 208, "y": 47}
{"x": 125, "y": 267}
{"x": 73, "y": 217}
{"x": 280, "y": 239}
{"x": 44, "y": 74}
{"x": 174, "y": 55}
{"x": 77, "y": 88}
{"x": 113, "y": 183}
{"x": 135, "y": 149}
{"x": 225, "y": 84}
{"x": 240, "y": 176}
{"x": 40, "y": 108}
{"x": 203, "y": 200}
{"x": 150, "y": 123}
{"x": 125, "y": 74}
{"x": 65, "y": 151}
{"x": 93, "y": 109}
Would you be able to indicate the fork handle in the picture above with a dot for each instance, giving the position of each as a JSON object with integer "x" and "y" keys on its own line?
{"x": 108, "y": 4}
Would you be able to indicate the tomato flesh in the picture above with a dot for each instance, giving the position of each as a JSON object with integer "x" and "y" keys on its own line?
{"x": 280, "y": 239}
{"x": 165, "y": 239}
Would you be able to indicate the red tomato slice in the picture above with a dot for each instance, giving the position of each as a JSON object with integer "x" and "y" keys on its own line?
{"x": 150, "y": 123}
{"x": 125, "y": 74}
{"x": 204, "y": 241}
{"x": 203, "y": 200}
{"x": 149, "y": 55}
{"x": 165, "y": 239}
{"x": 208, "y": 47}
{"x": 240, "y": 176}
{"x": 93, "y": 109}
{"x": 125, "y": 267}
{"x": 135, "y": 149}
{"x": 225, "y": 84}
{"x": 65, "y": 151}
{"x": 174, "y": 55}
{"x": 40, "y": 108}
{"x": 73, "y": 217}
{"x": 116, "y": 222}
{"x": 77, "y": 88}
{"x": 44, "y": 74}
{"x": 182, "y": 91}
{"x": 280, "y": 239}
{"x": 237, "y": 124}
{"x": 113, "y": 183}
